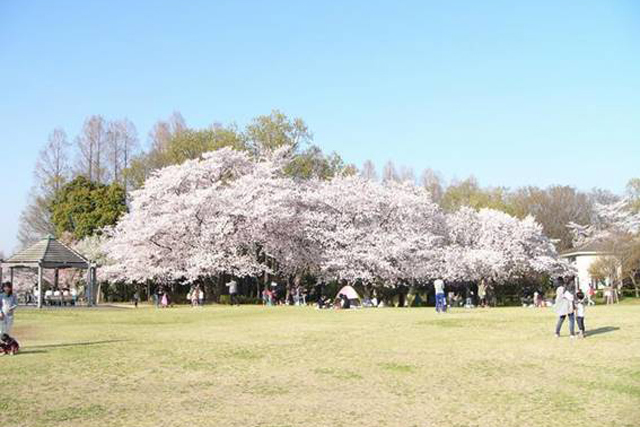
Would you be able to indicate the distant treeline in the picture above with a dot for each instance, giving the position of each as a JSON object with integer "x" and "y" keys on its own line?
{"x": 112, "y": 162}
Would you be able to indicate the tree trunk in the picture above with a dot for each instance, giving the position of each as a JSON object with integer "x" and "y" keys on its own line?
{"x": 636, "y": 286}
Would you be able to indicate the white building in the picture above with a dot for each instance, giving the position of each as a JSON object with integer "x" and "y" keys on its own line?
{"x": 582, "y": 258}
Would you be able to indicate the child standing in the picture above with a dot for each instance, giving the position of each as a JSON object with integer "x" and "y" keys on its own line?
{"x": 581, "y": 303}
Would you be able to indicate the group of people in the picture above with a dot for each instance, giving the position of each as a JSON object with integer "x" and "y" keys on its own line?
{"x": 61, "y": 297}
{"x": 275, "y": 294}
{"x": 161, "y": 298}
{"x": 572, "y": 306}
{"x": 457, "y": 299}
{"x": 611, "y": 295}
{"x": 538, "y": 300}
{"x": 196, "y": 296}
{"x": 568, "y": 305}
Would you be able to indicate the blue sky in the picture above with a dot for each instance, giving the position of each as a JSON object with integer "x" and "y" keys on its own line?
{"x": 514, "y": 93}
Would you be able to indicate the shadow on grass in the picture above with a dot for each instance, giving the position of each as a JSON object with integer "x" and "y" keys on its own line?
{"x": 602, "y": 330}
{"x": 31, "y": 351}
{"x": 67, "y": 345}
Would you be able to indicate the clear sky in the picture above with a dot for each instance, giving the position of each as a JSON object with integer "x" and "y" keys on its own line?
{"x": 513, "y": 93}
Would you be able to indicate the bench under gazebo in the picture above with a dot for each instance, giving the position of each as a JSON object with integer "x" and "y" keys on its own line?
{"x": 51, "y": 254}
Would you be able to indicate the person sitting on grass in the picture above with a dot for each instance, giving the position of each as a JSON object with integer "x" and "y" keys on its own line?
{"x": 346, "y": 303}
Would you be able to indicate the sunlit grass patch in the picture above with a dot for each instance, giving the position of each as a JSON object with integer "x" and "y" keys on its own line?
{"x": 72, "y": 413}
{"x": 398, "y": 368}
{"x": 257, "y": 366}
{"x": 340, "y": 374}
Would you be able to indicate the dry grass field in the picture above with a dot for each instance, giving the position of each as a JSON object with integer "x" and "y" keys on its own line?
{"x": 292, "y": 366}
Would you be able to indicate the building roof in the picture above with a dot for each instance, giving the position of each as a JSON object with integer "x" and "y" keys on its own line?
{"x": 48, "y": 253}
{"x": 598, "y": 247}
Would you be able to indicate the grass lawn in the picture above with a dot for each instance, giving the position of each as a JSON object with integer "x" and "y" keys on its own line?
{"x": 291, "y": 366}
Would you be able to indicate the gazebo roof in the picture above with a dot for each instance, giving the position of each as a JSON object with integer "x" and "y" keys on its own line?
{"x": 48, "y": 253}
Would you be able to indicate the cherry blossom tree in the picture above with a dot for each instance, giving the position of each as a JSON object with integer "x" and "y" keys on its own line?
{"x": 165, "y": 225}
{"x": 220, "y": 214}
{"x": 377, "y": 232}
{"x": 494, "y": 245}
{"x": 229, "y": 212}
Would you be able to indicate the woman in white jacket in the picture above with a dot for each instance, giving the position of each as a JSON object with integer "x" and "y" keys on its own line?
{"x": 8, "y": 305}
{"x": 564, "y": 308}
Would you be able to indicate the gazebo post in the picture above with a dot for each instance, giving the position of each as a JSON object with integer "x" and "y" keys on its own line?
{"x": 94, "y": 284}
{"x": 40, "y": 285}
{"x": 11, "y": 275}
{"x": 89, "y": 290}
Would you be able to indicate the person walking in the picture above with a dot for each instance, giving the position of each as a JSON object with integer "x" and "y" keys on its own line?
{"x": 275, "y": 293}
{"x": 195, "y": 296}
{"x": 157, "y": 296}
{"x": 564, "y": 309}
{"x": 200, "y": 296}
{"x": 608, "y": 295}
{"x": 136, "y": 299}
{"x": 233, "y": 292}
{"x": 441, "y": 305}
{"x": 164, "y": 300}
{"x": 8, "y": 305}
{"x": 615, "y": 293}
{"x": 482, "y": 293}
{"x": 591, "y": 294}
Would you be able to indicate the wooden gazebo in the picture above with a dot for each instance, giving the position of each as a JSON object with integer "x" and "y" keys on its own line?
{"x": 52, "y": 254}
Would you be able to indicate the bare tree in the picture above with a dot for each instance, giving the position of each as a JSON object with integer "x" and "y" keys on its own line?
{"x": 603, "y": 197}
{"x": 406, "y": 175}
{"x": 553, "y": 208}
{"x": 633, "y": 193}
{"x": 164, "y": 130}
{"x": 91, "y": 143}
{"x": 389, "y": 172}
{"x": 51, "y": 172}
{"x": 122, "y": 141}
{"x": 35, "y": 219}
{"x": 52, "y": 167}
{"x": 432, "y": 182}
{"x": 368, "y": 171}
